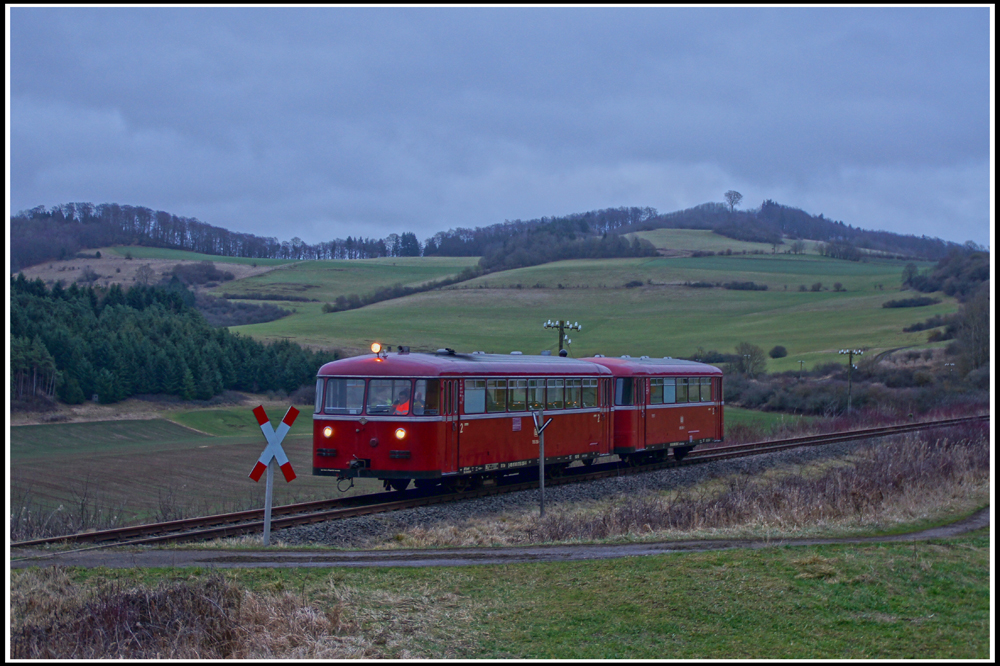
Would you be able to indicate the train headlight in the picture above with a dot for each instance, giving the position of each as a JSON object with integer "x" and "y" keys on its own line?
{"x": 376, "y": 347}
{"x": 328, "y": 432}
{"x": 400, "y": 433}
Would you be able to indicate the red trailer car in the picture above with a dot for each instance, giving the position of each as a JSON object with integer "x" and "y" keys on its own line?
{"x": 662, "y": 404}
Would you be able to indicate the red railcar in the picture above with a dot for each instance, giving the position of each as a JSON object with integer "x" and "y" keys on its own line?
{"x": 461, "y": 418}
{"x": 662, "y": 404}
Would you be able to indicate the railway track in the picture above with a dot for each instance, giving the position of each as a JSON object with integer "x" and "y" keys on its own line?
{"x": 244, "y": 522}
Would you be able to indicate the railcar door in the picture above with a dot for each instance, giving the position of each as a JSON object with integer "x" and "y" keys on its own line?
{"x": 609, "y": 443}
{"x": 640, "y": 426}
{"x": 717, "y": 399}
{"x": 451, "y": 429}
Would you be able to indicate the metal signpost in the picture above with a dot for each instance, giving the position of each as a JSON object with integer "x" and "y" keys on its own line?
{"x": 851, "y": 353}
{"x": 540, "y": 429}
{"x": 273, "y": 456}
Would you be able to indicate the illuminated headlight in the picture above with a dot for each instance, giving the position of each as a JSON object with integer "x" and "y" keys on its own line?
{"x": 376, "y": 347}
{"x": 400, "y": 433}
{"x": 328, "y": 432}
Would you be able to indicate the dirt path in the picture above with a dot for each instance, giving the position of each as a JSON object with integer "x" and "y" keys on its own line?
{"x": 448, "y": 557}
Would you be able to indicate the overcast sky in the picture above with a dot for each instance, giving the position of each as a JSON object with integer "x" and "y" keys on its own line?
{"x": 327, "y": 122}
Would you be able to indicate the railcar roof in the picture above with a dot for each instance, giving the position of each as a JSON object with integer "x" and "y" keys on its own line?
{"x": 422, "y": 365}
{"x": 655, "y": 366}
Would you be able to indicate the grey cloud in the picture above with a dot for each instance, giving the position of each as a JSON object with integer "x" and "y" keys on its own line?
{"x": 424, "y": 119}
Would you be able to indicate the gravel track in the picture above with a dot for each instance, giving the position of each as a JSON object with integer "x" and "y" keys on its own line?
{"x": 376, "y": 530}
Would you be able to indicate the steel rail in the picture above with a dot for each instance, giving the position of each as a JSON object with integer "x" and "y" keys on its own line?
{"x": 242, "y": 522}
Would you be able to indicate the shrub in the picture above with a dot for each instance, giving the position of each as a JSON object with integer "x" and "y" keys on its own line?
{"x": 745, "y": 286}
{"x": 778, "y": 352}
{"x": 631, "y": 284}
{"x": 817, "y": 286}
{"x": 917, "y": 302}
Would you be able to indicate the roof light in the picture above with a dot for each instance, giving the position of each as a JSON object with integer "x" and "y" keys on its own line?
{"x": 376, "y": 347}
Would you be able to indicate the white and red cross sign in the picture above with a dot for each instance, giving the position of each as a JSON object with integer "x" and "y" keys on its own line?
{"x": 273, "y": 449}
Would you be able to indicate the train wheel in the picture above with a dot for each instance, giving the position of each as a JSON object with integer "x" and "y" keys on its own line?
{"x": 399, "y": 484}
{"x": 555, "y": 471}
{"x": 425, "y": 483}
{"x": 463, "y": 483}
{"x": 633, "y": 460}
{"x": 681, "y": 451}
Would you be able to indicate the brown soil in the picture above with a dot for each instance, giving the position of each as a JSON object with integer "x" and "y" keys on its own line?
{"x": 114, "y": 269}
{"x": 132, "y": 409}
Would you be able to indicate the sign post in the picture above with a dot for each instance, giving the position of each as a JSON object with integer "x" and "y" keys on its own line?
{"x": 273, "y": 456}
{"x": 540, "y": 427}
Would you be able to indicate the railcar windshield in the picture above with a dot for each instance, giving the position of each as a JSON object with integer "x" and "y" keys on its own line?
{"x": 344, "y": 395}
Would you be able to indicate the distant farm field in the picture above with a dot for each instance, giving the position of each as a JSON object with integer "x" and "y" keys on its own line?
{"x": 146, "y": 468}
{"x": 502, "y": 312}
{"x": 142, "y": 252}
{"x": 326, "y": 280}
{"x": 706, "y": 240}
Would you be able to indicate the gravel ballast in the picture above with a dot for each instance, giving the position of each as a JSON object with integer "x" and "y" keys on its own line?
{"x": 376, "y": 530}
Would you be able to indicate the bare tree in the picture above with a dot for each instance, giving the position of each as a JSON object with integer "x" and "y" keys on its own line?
{"x": 144, "y": 274}
{"x": 798, "y": 247}
{"x": 732, "y": 198}
{"x": 751, "y": 360}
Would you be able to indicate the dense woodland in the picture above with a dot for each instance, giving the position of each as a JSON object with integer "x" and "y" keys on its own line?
{"x": 79, "y": 342}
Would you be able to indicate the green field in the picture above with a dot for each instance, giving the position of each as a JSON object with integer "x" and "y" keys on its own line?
{"x": 143, "y": 465}
{"x": 325, "y": 280}
{"x": 664, "y": 318}
{"x": 141, "y": 252}
{"x": 703, "y": 240}
{"x": 767, "y": 420}
{"x": 928, "y": 600}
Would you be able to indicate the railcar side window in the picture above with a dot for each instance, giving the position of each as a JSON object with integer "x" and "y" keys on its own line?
{"x": 389, "y": 396}
{"x": 682, "y": 389}
{"x": 706, "y": 389}
{"x": 573, "y": 393}
{"x": 656, "y": 391}
{"x": 427, "y": 397}
{"x": 496, "y": 395}
{"x": 554, "y": 393}
{"x": 475, "y": 396}
{"x": 345, "y": 396}
{"x": 589, "y": 393}
{"x": 517, "y": 394}
{"x": 624, "y": 391}
{"x": 669, "y": 390}
{"x": 536, "y": 394}
{"x": 319, "y": 396}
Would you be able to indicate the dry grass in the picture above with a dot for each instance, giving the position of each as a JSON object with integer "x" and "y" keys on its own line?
{"x": 900, "y": 481}
{"x": 211, "y": 618}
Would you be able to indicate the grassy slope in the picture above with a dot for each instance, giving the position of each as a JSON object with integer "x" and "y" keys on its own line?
{"x": 662, "y": 319}
{"x": 691, "y": 240}
{"x": 325, "y": 280}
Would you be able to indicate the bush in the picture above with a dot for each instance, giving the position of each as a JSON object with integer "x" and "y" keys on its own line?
{"x": 778, "y": 352}
{"x": 917, "y": 302}
{"x": 633, "y": 283}
{"x": 745, "y": 286}
{"x": 200, "y": 273}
